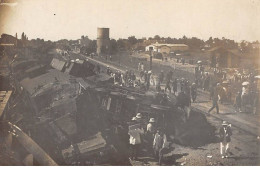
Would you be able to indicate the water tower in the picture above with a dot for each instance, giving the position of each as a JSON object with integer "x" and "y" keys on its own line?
{"x": 103, "y": 41}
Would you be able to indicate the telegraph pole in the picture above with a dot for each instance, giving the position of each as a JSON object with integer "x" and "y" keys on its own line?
{"x": 151, "y": 57}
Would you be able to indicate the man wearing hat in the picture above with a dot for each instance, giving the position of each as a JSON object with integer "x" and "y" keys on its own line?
{"x": 225, "y": 138}
{"x": 151, "y": 126}
{"x": 150, "y": 131}
{"x": 135, "y": 132}
{"x": 139, "y": 117}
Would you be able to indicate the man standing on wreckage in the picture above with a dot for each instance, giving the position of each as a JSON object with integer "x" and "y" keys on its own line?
{"x": 135, "y": 132}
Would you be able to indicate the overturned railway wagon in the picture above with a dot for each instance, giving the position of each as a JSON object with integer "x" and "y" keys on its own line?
{"x": 84, "y": 120}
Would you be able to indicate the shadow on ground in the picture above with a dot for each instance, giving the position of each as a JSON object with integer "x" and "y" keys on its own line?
{"x": 244, "y": 158}
{"x": 202, "y": 101}
{"x": 171, "y": 160}
{"x": 196, "y": 132}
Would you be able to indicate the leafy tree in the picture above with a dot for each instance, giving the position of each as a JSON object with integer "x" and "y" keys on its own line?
{"x": 22, "y": 36}
{"x": 120, "y": 44}
{"x": 157, "y": 37}
{"x": 114, "y": 47}
{"x": 243, "y": 46}
{"x": 210, "y": 41}
{"x": 132, "y": 40}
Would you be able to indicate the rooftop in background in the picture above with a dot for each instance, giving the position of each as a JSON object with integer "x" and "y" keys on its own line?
{"x": 235, "y": 52}
{"x": 170, "y": 45}
{"x": 6, "y": 44}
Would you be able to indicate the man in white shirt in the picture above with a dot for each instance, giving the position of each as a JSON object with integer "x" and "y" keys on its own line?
{"x": 225, "y": 133}
{"x": 159, "y": 143}
{"x": 142, "y": 66}
{"x": 135, "y": 132}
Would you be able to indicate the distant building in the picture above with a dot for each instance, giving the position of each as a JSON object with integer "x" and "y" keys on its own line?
{"x": 8, "y": 39}
{"x": 166, "y": 48}
{"x": 11, "y": 40}
{"x": 225, "y": 58}
{"x": 7, "y": 45}
{"x": 256, "y": 45}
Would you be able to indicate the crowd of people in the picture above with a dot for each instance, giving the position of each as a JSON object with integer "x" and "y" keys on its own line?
{"x": 238, "y": 88}
{"x": 152, "y": 137}
{"x": 187, "y": 94}
{"x": 155, "y": 140}
{"x": 127, "y": 79}
{"x": 245, "y": 97}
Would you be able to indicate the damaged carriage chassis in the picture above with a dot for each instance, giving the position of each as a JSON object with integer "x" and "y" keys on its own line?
{"x": 102, "y": 125}
{"x": 95, "y": 134}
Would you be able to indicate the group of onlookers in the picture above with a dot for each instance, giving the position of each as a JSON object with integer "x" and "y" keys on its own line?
{"x": 153, "y": 138}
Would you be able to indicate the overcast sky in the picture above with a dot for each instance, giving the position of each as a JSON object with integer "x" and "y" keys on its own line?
{"x": 234, "y": 19}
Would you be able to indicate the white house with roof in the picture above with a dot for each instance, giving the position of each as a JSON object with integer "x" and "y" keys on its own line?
{"x": 166, "y": 48}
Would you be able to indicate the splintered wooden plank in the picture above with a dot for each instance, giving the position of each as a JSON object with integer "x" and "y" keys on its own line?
{"x": 4, "y": 101}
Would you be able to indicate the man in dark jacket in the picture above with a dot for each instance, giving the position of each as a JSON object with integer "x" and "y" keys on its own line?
{"x": 161, "y": 77}
{"x": 174, "y": 86}
{"x": 225, "y": 138}
{"x": 182, "y": 100}
{"x": 215, "y": 100}
{"x": 206, "y": 82}
{"x": 193, "y": 91}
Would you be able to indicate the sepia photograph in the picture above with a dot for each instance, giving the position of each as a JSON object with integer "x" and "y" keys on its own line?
{"x": 129, "y": 82}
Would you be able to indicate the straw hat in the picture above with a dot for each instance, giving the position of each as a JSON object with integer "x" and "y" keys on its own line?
{"x": 225, "y": 123}
{"x": 151, "y": 120}
{"x": 138, "y": 115}
{"x": 134, "y": 118}
{"x": 245, "y": 83}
